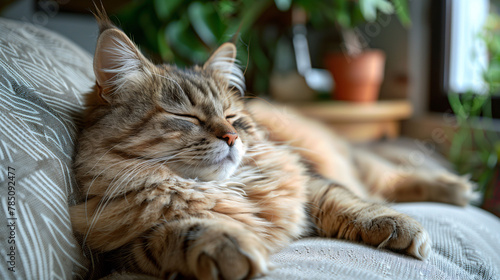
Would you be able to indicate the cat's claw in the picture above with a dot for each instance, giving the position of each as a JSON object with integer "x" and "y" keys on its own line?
{"x": 398, "y": 233}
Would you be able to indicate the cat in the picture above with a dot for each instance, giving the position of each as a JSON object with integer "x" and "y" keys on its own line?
{"x": 181, "y": 176}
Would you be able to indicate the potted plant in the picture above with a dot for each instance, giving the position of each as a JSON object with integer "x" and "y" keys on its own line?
{"x": 357, "y": 70}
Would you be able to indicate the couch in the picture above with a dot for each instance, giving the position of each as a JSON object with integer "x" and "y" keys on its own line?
{"x": 42, "y": 79}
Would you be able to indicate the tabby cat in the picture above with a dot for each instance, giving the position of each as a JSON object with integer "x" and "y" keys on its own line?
{"x": 180, "y": 178}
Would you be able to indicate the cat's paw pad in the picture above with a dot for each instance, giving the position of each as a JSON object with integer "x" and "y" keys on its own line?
{"x": 228, "y": 254}
{"x": 398, "y": 233}
{"x": 454, "y": 189}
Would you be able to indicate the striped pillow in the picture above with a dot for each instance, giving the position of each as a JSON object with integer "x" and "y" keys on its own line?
{"x": 42, "y": 78}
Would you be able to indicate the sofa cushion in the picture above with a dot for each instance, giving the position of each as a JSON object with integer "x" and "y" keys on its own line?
{"x": 465, "y": 244}
{"x": 42, "y": 78}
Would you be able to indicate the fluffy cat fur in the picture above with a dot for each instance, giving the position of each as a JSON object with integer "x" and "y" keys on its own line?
{"x": 181, "y": 177}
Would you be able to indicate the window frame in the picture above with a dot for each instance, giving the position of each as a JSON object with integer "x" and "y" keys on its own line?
{"x": 440, "y": 44}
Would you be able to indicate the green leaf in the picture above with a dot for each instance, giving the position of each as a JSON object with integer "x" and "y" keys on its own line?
{"x": 251, "y": 12}
{"x": 311, "y": 6}
{"x": 184, "y": 42}
{"x": 458, "y": 146}
{"x": 492, "y": 160}
{"x": 166, "y": 52}
{"x": 283, "y": 5}
{"x": 165, "y": 8}
{"x": 226, "y": 8}
{"x": 369, "y": 8}
{"x": 402, "y": 11}
{"x": 456, "y": 106}
{"x": 340, "y": 14}
{"x": 206, "y": 22}
{"x": 149, "y": 30}
{"x": 129, "y": 12}
{"x": 478, "y": 104}
{"x": 357, "y": 17}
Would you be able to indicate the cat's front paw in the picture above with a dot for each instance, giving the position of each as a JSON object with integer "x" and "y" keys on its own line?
{"x": 397, "y": 232}
{"x": 227, "y": 253}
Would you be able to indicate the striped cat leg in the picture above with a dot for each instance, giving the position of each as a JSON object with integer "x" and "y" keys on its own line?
{"x": 204, "y": 248}
{"x": 338, "y": 213}
{"x": 193, "y": 231}
{"x": 406, "y": 182}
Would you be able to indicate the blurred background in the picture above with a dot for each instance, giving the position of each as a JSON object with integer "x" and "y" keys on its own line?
{"x": 428, "y": 70}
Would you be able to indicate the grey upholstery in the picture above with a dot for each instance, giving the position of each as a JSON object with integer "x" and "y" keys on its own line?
{"x": 466, "y": 245}
{"x": 42, "y": 79}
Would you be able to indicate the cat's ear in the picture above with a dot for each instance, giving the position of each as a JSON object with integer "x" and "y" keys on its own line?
{"x": 118, "y": 63}
{"x": 224, "y": 61}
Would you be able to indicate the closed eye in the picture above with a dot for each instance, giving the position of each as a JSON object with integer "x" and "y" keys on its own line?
{"x": 190, "y": 118}
{"x": 230, "y": 117}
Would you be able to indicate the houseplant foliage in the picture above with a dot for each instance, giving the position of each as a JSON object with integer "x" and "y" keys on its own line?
{"x": 357, "y": 70}
{"x": 348, "y": 15}
{"x": 475, "y": 147}
{"x": 186, "y": 32}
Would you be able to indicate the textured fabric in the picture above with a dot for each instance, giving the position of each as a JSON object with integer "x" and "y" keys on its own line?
{"x": 466, "y": 245}
{"x": 42, "y": 78}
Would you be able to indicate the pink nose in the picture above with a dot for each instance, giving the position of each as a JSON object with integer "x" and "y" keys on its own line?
{"x": 230, "y": 138}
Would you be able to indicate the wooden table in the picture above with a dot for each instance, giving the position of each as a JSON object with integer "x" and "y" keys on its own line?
{"x": 360, "y": 121}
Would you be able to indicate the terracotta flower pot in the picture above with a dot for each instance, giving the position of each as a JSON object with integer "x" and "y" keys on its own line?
{"x": 357, "y": 78}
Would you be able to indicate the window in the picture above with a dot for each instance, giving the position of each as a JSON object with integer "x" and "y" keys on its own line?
{"x": 468, "y": 53}
{"x": 458, "y": 55}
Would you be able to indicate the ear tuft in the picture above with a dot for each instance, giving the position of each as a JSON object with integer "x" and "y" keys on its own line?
{"x": 102, "y": 18}
{"x": 224, "y": 61}
{"x": 118, "y": 63}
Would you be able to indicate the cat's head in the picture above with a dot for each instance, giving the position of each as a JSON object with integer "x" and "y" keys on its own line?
{"x": 190, "y": 120}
